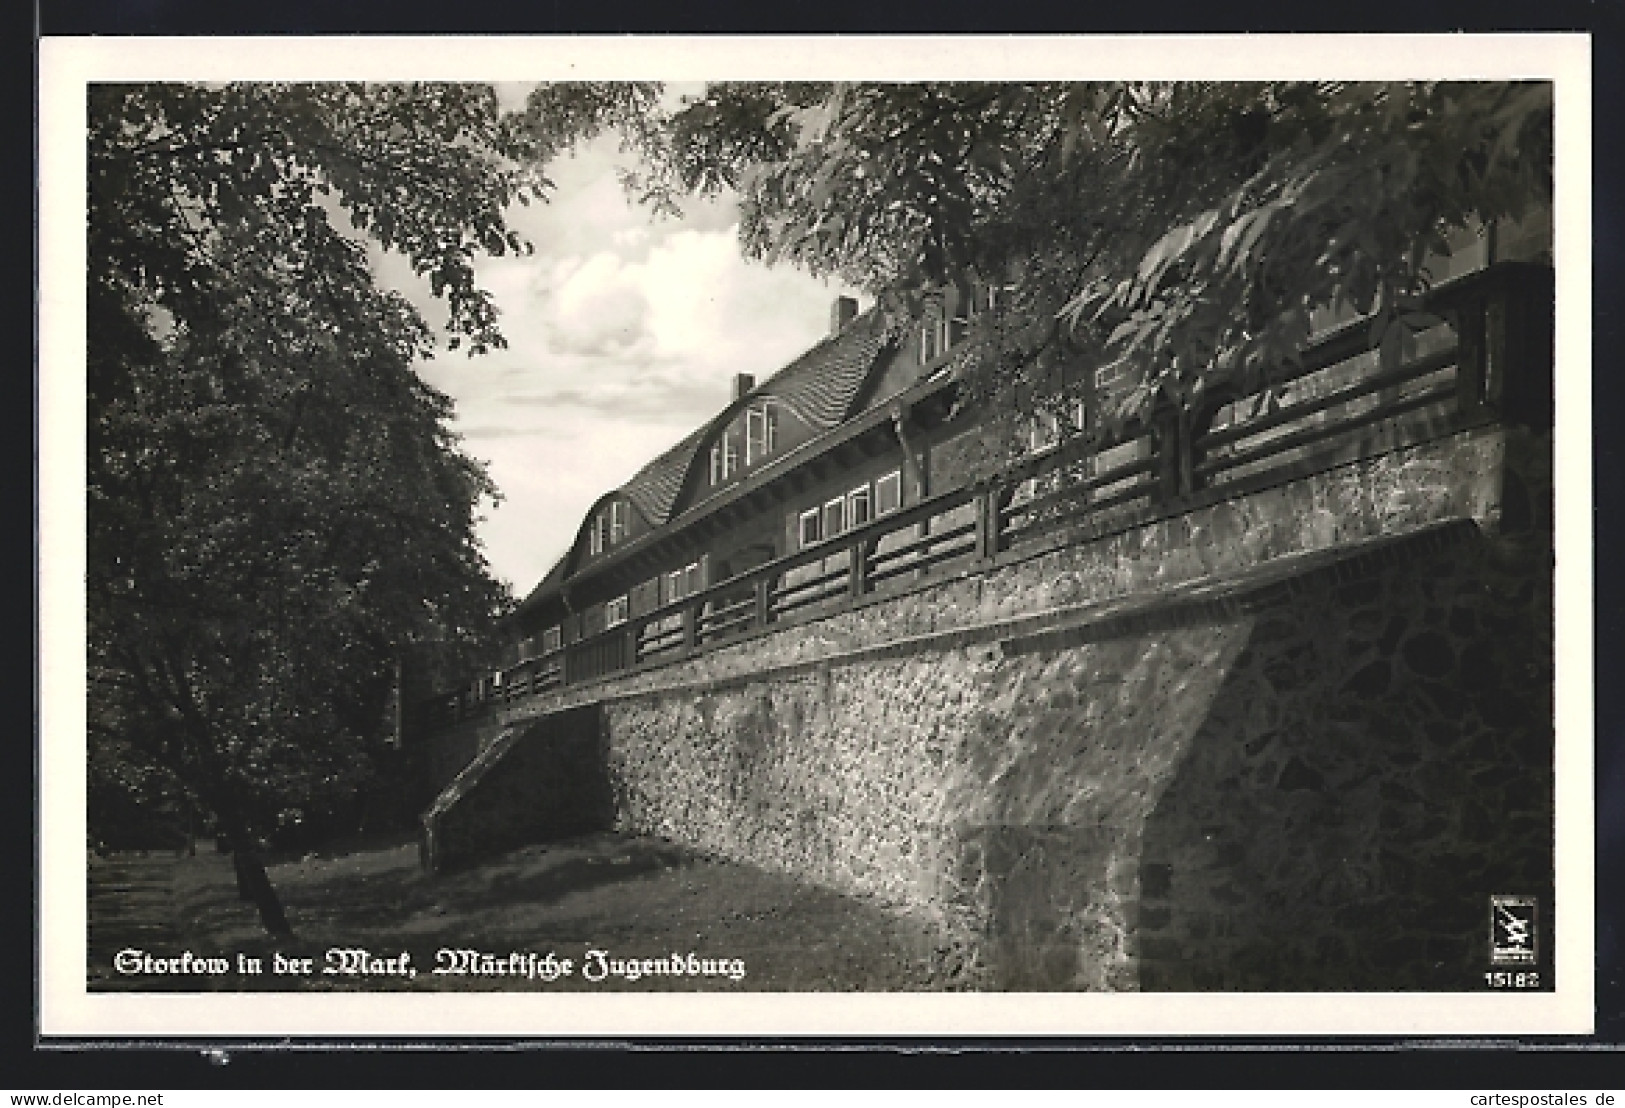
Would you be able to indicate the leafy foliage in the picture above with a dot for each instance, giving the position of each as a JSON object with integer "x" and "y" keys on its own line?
{"x": 1181, "y": 233}
{"x": 276, "y": 507}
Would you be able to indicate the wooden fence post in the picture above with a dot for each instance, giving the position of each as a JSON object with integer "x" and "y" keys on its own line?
{"x": 1170, "y": 456}
{"x": 764, "y": 600}
{"x": 857, "y": 579}
{"x": 1472, "y": 354}
{"x": 987, "y": 522}
{"x": 1521, "y": 386}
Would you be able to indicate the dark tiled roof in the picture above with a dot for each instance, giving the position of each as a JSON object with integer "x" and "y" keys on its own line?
{"x": 549, "y": 584}
{"x": 820, "y": 385}
{"x": 653, "y": 489}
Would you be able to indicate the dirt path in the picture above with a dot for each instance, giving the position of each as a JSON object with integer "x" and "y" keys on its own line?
{"x": 633, "y": 899}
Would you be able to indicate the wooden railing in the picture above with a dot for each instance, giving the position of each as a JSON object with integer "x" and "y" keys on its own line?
{"x": 1488, "y": 358}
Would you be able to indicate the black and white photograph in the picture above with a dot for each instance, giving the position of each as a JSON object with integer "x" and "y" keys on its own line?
{"x": 1066, "y": 536}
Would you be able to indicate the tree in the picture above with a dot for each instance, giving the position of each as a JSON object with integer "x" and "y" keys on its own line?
{"x": 276, "y": 507}
{"x": 1183, "y": 232}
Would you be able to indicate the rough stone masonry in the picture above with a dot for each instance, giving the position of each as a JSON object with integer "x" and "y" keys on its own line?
{"x": 1293, "y": 740}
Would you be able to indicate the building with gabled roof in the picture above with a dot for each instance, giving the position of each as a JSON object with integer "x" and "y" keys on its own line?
{"x": 840, "y": 435}
{"x": 775, "y": 508}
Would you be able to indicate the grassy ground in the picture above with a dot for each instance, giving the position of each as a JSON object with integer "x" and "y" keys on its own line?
{"x": 633, "y": 898}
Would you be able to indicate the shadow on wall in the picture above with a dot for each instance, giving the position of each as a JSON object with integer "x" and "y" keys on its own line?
{"x": 550, "y": 781}
{"x": 1377, "y": 766}
{"x": 1374, "y": 763}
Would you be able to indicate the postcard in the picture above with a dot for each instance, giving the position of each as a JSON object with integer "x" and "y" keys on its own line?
{"x": 583, "y": 537}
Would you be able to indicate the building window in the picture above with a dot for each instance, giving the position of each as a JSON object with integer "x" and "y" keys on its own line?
{"x": 615, "y": 612}
{"x": 724, "y": 457}
{"x": 552, "y": 640}
{"x": 960, "y": 309}
{"x": 645, "y": 596}
{"x": 596, "y": 534}
{"x": 810, "y": 532}
{"x": 683, "y": 582}
{"x": 1048, "y": 428}
{"x": 889, "y": 493}
{"x": 930, "y": 342}
{"x": 857, "y": 507}
{"x": 834, "y": 517}
{"x": 618, "y": 521}
{"x": 1044, "y": 433}
{"x": 761, "y": 433}
{"x": 730, "y": 455}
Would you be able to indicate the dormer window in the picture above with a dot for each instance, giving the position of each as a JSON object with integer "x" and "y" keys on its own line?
{"x": 730, "y": 455}
{"x": 950, "y": 313}
{"x": 619, "y": 521}
{"x": 597, "y": 535}
{"x": 761, "y": 433}
{"x": 724, "y": 458}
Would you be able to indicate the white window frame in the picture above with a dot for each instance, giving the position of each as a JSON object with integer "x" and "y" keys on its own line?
{"x": 956, "y": 323}
{"x": 1044, "y": 433}
{"x": 618, "y": 521}
{"x": 815, "y": 517}
{"x": 859, "y": 495}
{"x": 595, "y": 535}
{"x": 894, "y": 480}
{"x": 674, "y": 586}
{"x": 730, "y": 454}
{"x": 761, "y": 433}
{"x": 838, "y": 505}
{"x": 691, "y": 579}
{"x": 716, "y": 464}
{"x": 615, "y": 611}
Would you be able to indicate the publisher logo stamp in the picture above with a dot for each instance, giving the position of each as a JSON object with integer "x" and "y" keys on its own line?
{"x": 1512, "y": 930}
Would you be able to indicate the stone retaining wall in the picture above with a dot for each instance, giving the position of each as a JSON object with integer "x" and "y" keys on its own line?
{"x": 1320, "y": 790}
{"x": 1253, "y": 747}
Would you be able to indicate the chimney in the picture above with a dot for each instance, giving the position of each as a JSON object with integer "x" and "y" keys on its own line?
{"x": 842, "y": 312}
{"x": 743, "y": 383}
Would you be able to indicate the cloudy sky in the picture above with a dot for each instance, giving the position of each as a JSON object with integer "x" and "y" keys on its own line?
{"x": 624, "y": 333}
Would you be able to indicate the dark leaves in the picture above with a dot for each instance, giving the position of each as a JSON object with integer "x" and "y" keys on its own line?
{"x": 1176, "y": 231}
{"x": 275, "y": 507}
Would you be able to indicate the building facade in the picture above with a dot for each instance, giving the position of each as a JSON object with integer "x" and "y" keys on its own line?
{"x": 849, "y": 472}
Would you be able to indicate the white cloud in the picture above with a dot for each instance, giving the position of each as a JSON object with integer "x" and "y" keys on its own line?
{"x": 624, "y": 335}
